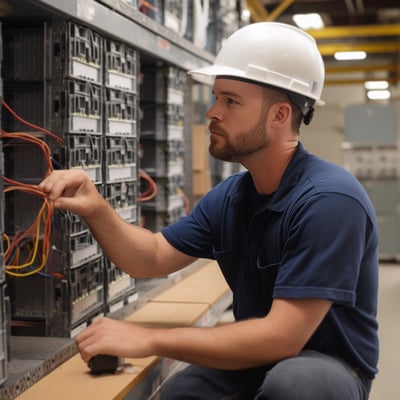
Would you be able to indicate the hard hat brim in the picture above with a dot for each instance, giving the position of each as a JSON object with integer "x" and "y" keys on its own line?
{"x": 215, "y": 70}
{"x": 222, "y": 70}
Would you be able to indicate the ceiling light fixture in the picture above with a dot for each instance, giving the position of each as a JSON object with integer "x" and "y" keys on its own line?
{"x": 308, "y": 21}
{"x": 350, "y": 55}
{"x": 376, "y": 85}
{"x": 246, "y": 15}
{"x": 378, "y": 94}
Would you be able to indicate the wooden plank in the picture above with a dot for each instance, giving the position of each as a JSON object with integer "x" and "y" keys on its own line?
{"x": 189, "y": 302}
{"x": 207, "y": 285}
{"x": 72, "y": 380}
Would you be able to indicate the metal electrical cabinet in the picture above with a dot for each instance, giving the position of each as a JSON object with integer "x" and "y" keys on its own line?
{"x": 372, "y": 153}
{"x": 3, "y": 318}
{"x": 74, "y": 68}
{"x": 163, "y": 143}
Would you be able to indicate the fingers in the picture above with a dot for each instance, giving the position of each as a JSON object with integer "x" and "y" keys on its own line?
{"x": 55, "y": 184}
{"x": 58, "y": 182}
{"x": 113, "y": 337}
{"x": 48, "y": 185}
{"x": 68, "y": 189}
{"x": 89, "y": 341}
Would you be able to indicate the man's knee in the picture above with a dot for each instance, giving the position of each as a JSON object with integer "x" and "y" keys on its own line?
{"x": 177, "y": 387}
{"x": 310, "y": 377}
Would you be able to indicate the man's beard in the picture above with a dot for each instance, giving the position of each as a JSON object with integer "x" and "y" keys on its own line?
{"x": 241, "y": 145}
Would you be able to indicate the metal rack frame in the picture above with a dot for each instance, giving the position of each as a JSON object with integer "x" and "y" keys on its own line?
{"x": 124, "y": 22}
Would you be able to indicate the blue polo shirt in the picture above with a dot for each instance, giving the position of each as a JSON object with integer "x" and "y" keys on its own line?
{"x": 315, "y": 237}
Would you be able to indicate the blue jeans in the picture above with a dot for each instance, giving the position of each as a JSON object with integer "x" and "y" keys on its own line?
{"x": 309, "y": 376}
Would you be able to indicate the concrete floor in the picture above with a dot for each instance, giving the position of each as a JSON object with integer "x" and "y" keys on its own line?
{"x": 387, "y": 383}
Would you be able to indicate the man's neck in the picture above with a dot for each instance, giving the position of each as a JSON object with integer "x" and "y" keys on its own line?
{"x": 267, "y": 167}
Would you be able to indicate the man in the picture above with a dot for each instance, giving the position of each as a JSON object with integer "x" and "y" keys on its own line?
{"x": 295, "y": 237}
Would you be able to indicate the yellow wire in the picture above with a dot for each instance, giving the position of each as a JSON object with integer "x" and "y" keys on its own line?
{"x": 34, "y": 254}
{"x": 36, "y": 241}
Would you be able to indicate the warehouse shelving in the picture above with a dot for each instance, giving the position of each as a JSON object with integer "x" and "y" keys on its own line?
{"x": 122, "y": 21}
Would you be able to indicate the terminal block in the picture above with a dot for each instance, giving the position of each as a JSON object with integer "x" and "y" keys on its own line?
{"x": 121, "y": 113}
{"x": 121, "y": 159}
{"x": 123, "y": 196}
{"x": 120, "y": 288}
{"x": 77, "y": 107}
{"x": 163, "y": 158}
{"x": 77, "y": 52}
{"x": 121, "y": 66}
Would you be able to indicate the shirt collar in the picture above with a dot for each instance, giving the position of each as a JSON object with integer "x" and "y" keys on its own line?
{"x": 289, "y": 179}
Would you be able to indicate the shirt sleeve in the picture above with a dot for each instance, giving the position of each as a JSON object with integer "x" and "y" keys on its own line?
{"x": 325, "y": 244}
{"x": 192, "y": 234}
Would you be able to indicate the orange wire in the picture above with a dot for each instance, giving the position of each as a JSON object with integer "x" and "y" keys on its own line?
{"x": 39, "y": 128}
{"x": 44, "y": 218}
{"x": 146, "y": 4}
{"x": 152, "y": 190}
{"x": 32, "y": 139}
{"x": 45, "y": 213}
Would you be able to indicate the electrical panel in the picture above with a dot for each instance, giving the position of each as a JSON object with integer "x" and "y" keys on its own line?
{"x": 162, "y": 142}
{"x": 82, "y": 88}
{"x": 80, "y": 83}
{"x": 3, "y": 317}
{"x": 371, "y": 152}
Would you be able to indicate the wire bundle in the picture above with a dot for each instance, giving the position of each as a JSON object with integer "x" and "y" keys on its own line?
{"x": 151, "y": 189}
{"x": 35, "y": 240}
{"x": 27, "y": 252}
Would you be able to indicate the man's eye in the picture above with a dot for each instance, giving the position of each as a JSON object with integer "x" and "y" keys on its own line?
{"x": 231, "y": 101}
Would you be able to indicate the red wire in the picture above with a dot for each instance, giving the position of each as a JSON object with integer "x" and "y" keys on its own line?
{"x": 45, "y": 216}
{"x": 151, "y": 192}
{"x": 39, "y": 128}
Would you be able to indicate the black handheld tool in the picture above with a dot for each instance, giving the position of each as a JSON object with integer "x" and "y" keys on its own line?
{"x": 103, "y": 364}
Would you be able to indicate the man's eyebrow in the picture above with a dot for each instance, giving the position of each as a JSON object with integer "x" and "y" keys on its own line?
{"x": 227, "y": 93}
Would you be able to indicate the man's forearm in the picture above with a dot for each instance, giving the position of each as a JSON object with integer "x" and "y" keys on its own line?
{"x": 234, "y": 346}
{"x": 136, "y": 250}
{"x": 130, "y": 247}
{"x": 281, "y": 334}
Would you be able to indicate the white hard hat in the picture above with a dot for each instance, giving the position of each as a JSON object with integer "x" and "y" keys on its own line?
{"x": 271, "y": 53}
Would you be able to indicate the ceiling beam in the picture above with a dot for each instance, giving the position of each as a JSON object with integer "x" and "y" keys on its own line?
{"x": 352, "y": 81}
{"x": 278, "y": 10}
{"x": 335, "y": 32}
{"x": 259, "y": 13}
{"x": 329, "y": 49}
{"x": 360, "y": 67}
{"x": 257, "y": 10}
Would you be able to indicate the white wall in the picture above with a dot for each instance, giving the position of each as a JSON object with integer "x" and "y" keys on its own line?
{"x": 324, "y": 136}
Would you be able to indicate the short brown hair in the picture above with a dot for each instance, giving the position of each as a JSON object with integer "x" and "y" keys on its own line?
{"x": 272, "y": 96}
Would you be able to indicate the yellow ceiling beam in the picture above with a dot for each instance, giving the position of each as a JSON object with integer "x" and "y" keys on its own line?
{"x": 328, "y": 49}
{"x": 360, "y": 67}
{"x": 352, "y": 81}
{"x": 278, "y": 10}
{"x": 259, "y": 13}
{"x": 335, "y": 32}
{"x": 257, "y": 10}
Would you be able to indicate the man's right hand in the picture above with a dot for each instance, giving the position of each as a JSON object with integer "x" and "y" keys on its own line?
{"x": 72, "y": 190}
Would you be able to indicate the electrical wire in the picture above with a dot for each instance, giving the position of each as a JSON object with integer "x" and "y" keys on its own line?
{"x": 151, "y": 190}
{"x": 28, "y": 138}
{"x": 39, "y": 128}
{"x": 32, "y": 236}
{"x": 28, "y": 251}
{"x": 146, "y": 5}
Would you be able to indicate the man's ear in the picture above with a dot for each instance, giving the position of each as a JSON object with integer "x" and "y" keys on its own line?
{"x": 280, "y": 113}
